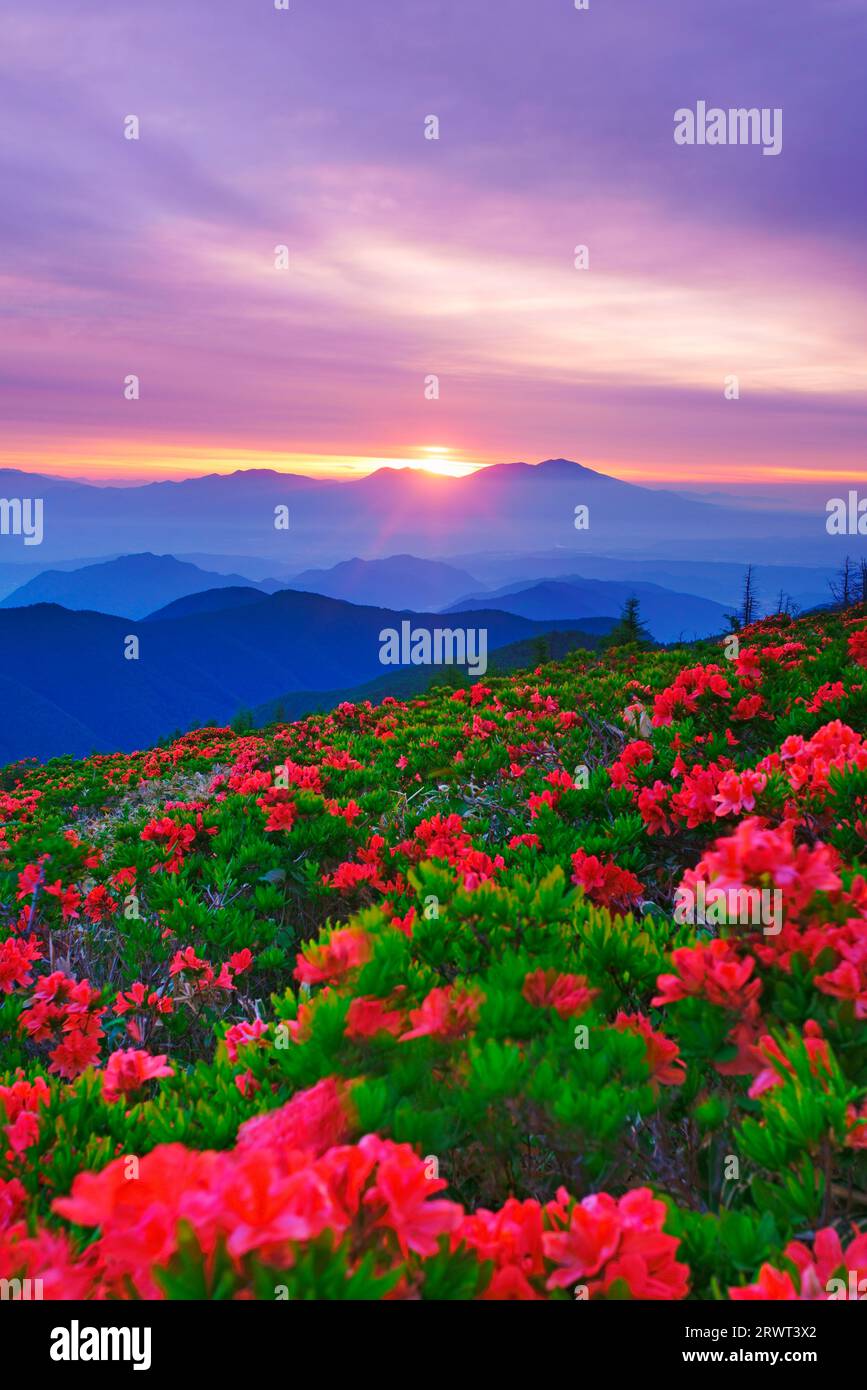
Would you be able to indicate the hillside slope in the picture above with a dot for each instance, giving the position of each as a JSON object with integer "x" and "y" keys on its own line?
{"x": 415, "y": 680}
{"x": 474, "y": 995}
{"x": 197, "y": 662}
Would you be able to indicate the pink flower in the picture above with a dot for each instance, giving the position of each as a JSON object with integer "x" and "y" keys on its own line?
{"x": 737, "y": 793}
{"x": 127, "y": 1071}
{"x": 242, "y": 1034}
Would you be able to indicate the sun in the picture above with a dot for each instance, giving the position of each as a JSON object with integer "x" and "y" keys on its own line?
{"x": 438, "y": 460}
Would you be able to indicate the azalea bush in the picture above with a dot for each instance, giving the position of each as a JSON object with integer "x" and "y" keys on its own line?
{"x": 399, "y": 1001}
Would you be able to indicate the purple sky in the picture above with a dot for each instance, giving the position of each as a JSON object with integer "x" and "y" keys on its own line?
{"x": 411, "y": 257}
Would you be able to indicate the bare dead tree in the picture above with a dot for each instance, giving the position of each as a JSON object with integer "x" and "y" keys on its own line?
{"x": 749, "y": 601}
{"x": 843, "y": 586}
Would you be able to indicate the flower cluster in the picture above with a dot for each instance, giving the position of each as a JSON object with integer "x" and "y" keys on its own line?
{"x": 400, "y": 1001}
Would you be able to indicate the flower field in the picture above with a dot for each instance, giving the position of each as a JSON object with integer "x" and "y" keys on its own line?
{"x": 402, "y": 1001}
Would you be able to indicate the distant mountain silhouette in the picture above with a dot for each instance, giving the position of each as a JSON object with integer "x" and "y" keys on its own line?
{"x": 70, "y": 689}
{"x": 129, "y": 586}
{"x": 209, "y": 601}
{"x": 515, "y": 506}
{"x": 720, "y": 580}
{"x": 13, "y": 576}
{"x": 255, "y": 569}
{"x": 669, "y": 616}
{"x": 420, "y": 584}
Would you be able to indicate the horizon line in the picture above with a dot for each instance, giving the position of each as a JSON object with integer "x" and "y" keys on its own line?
{"x": 360, "y": 467}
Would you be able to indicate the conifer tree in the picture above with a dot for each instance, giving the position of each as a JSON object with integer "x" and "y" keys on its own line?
{"x": 630, "y": 628}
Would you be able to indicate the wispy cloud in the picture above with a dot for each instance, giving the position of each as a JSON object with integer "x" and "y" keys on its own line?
{"x": 410, "y": 257}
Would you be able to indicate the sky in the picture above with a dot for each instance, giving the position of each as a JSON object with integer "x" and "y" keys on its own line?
{"x": 411, "y": 258}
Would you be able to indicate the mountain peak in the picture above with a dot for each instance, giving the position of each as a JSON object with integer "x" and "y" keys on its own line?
{"x": 567, "y": 467}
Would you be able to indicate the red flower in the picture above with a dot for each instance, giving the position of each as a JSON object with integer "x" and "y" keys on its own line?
{"x": 404, "y": 1189}
{"x": 845, "y": 982}
{"x": 264, "y": 1209}
{"x": 16, "y": 958}
{"x": 667, "y": 1068}
{"x": 333, "y": 960}
{"x": 78, "y": 1051}
{"x": 651, "y": 806}
{"x": 590, "y": 1239}
{"x": 713, "y": 971}
{"x": 19, "y": 1102}
{"x": 618, "y": 1242}
{"x": 241, "y": 961}
{"x": 447, "y": 1012}
{"x": 532, "y": 841}
{"x": 281, "y": 816}
{"x": 568, "y": 995}
{"x": 757, "y": 855}
{"x": 858, "y": 647}
{"x": 65, "y": 1007}
{"x": 512, "y": 1239}
{"x": 771, "y": 1285}
{"x": 775, "y": 1067}
{"x": 99, "y": 904}
{"x": 604, "y": 882}
{"x": 69, "y": 898}
{"x": 368, "y": 1016}
{"x": 313, "y": 1120}
{"x": 748, "y": 707}
{"x": 243, "y": 1034}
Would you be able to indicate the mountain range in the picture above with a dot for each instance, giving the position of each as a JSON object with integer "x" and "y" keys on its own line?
{"x": 67, "y": 687}
{"x": 709, "y": 577}
{"x": 233, "y": 610}
{"x": 513, "y": 506}
{"x": 130, "y": 586}
{"x": 670, "y": 617}
{"x": 157, "y": 586}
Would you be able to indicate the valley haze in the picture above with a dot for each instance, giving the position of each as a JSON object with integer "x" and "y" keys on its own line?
{"x": 227, "y": 635}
